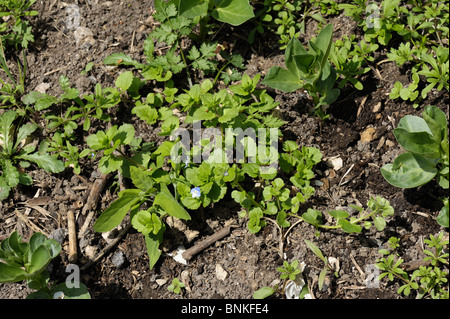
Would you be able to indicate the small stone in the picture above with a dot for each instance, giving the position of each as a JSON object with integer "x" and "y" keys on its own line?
{"x": 368, "y": 134}
{"x": 59, "y": 235}
{"x": 90, "y": 251}
{"x": 42, "y": 87}
{"x": 84, "y": 37}
{"x": 118, "y": 259}
{"x": 161, "y": 282}
{"x": 221, "y": 274}
{"x": 335, "y": 162}
{"x": 376, "y": 108}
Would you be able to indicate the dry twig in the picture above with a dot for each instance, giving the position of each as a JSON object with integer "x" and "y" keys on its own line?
{"x": 188, "y": 254}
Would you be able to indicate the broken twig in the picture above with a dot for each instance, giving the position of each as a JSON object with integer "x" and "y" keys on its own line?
{"x": 188, "y": 254}
{"x": 73, "y": 251}
{"x": 91, "y": 202}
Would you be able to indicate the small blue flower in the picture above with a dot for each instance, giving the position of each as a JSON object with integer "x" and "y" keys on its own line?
{"x": 225, "y": 174}
{"x": 195, "y": 192}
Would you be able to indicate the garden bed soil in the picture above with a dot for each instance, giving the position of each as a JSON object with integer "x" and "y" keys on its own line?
{"x": 359, "y": 132}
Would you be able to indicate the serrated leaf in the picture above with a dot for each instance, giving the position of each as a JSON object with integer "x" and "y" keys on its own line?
{"x": 140, "y": 178}
{"x": 122, "y": 59}
{"x": 40, "y": 100}
{"x": 48, "y": 162}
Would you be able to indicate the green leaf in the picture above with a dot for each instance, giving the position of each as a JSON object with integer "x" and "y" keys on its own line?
{"x": 443, "y": 217}
{"x": 436, "y": 121}
{"x": 282, "y": 79}
{"x": 170, "y": 204}
{"x": 153, "y": 242}
{"x": 349, "y": 227}
{"x": 140, "y": 178}
{"x": 121, "y": 58}
{"x": 234, "y": 12}
{"x": 409, "y": 170}
{"x": 338, "y": 214}
{"x": 124, "y": 80}
{"x": 417, "y": 142}
{"x": 40, "y": 100}
{"x": 191, "y": 9}
{"x": 48, "y": 162}
{"x": 263, "y": 293}
{"x": 39, "y": 259}
{"x": 315, "y": 249}
{"x": 412, "y": 123}
{"x": 322, "y": 275}
{"x": 24, "y": 132}
{"x": 146, "y": 222}
{"x": 10, "y": 174}
{"x": 114, "y": 214}
{"x": 11, "y": 273}
{"x": 380, "y": 223}
{"x": 313, "y": 216}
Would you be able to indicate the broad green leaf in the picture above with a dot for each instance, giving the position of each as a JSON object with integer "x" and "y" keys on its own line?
{"x": 152, "y": 242}
{"x": 191, "y": 8}
{"x": 436, "y": 121}
{"x": 294, "y": 49}
{"x": 379, "y": 222}
{"x": 443, "y": 217}
{"x": 114, "y": 214}
{"x": 338, "y": 214}
{"x": 48, "y": 162}
{"x": 323, "y": 42}
{"x": 234, "y": 12}
{"x": 11, "y": 274}
{"x": 124, "y": 80}
{"x": 24, "y": 132}
{"x": 146, "y": 113}
{"x": 349, "y": 227}
{"x": 409, "y": 170}
{"x": 313, "y": 216}
{"x": 412, "y": 123}
{"x": 140, "y": 178}
{"x": 263, "y": 293}
{"x": 40, "y": 100}
{"x": 417, "y": 142}
{"x": 39, "y": 260}
{"x": 170, "y": 204}
{"x": 282, "y": 79}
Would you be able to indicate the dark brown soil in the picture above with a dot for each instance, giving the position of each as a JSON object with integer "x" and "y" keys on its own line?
{"x": 250, "y": 261}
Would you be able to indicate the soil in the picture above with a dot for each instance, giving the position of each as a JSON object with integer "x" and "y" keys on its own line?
{"x": 359, "y": 132}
